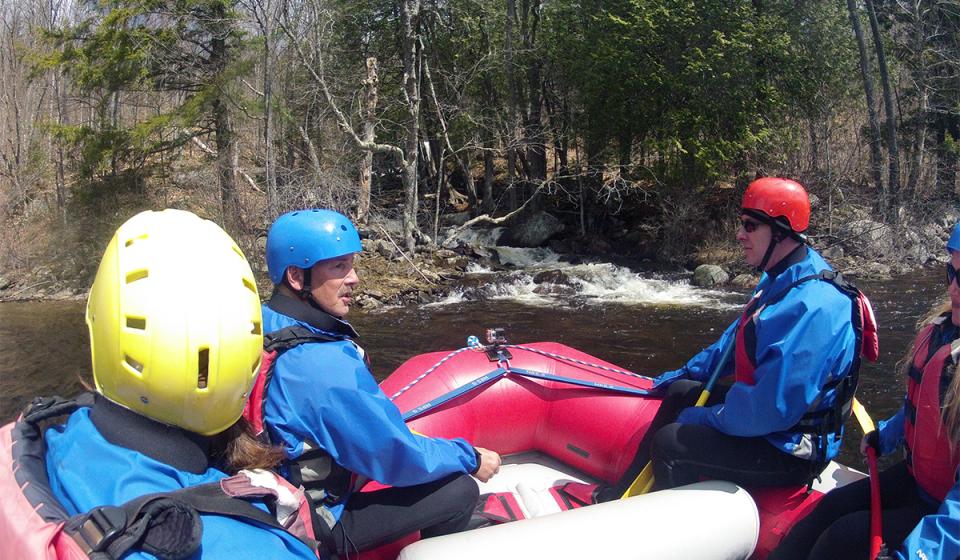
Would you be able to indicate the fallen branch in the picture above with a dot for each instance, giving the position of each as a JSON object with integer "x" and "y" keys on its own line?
{"x": 408, "y": 259}
{"x": 487, "y": 219}
{"x": 24, "y": 289}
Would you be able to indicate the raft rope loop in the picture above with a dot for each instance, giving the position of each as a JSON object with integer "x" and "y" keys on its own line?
{"x": 505, "y": 364}
{"x": 432, "y": 368}
{"x": 576, "y": 361}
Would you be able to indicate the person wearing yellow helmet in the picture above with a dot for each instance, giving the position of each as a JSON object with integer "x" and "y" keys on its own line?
{"x": 175, "y": 336}
{"x": 325, "y": 408}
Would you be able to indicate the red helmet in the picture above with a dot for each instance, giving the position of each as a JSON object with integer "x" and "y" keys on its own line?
{"x": 779, "y": 198}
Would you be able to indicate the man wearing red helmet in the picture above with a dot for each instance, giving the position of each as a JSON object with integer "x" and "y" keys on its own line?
{"x": 797, "y": 352}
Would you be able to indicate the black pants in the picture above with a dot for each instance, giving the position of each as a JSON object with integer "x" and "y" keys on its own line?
{"x": 839, "y": 527}
{"x": 684, "y": 454}
{"x": 371, "y": 519}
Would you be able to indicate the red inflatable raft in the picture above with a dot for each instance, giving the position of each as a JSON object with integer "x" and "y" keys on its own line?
{"x": 558, "y": 415}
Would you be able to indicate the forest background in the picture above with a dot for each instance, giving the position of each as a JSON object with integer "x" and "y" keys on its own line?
{"x": 633, "y": 124}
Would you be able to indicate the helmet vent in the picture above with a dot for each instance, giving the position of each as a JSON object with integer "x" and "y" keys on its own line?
{"x": 133, "y": 240}
{"x": 255, "y": 328}
{"x": 203, "y": 367}
{"x": 137, "y": 275}
{"x": 248, "y": 284}
{"x": 133, "y": 363}
{"x": 138, "y": 323}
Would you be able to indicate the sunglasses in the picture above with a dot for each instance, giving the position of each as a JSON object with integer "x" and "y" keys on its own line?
{"x": 749, "y": 226}
{"x": 952, "y": 275}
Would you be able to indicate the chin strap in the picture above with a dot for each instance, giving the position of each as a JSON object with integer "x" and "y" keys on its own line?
{"x": 306, "y": 291}
{"x": 775, "y": 238}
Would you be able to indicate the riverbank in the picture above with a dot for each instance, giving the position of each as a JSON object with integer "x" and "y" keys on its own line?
{"x": 390, "y": 276}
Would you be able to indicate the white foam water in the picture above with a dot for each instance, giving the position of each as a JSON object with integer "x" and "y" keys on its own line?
{"x": 587, "y": 283}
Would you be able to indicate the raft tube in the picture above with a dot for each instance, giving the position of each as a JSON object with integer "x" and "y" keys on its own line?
{"x": 585, "y": 433}
{"x": 712, "y": 520}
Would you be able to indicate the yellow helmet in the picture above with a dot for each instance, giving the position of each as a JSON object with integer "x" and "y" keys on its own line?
{"x": 174, "y": 320}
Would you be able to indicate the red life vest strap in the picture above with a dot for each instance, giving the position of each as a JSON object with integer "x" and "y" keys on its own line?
{"x": 499, "y": 507}
{"x": 274, "y": 344}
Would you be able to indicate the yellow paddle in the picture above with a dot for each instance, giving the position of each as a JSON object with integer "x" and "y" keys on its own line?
{"x": 866, "y": 424}
{"x": 644, "y": 481}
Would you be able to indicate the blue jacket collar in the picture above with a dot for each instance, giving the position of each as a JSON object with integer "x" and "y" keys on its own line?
{"x": 799, "y": 263}
{"x": 300, "y": 311}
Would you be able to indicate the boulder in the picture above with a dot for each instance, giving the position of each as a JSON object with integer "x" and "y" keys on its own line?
{"x": 709, "y": 275}
{"x": 554, "y": 290}
{"x": 832, "y": 252}
{"x": 746, "y": 281}
{"x": 551, "y": 277}
{"x": 533, "y": 231}
{"x": 386, "y": 249}
{"x": 867, "y": 238}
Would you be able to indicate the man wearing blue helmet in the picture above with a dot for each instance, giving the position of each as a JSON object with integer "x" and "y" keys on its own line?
{"x": 325, "y": 409}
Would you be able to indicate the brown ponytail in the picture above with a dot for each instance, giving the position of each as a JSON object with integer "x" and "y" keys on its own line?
{"x": 238, "y": 448}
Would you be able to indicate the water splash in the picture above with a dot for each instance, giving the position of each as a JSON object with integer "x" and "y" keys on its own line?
{"x": 540, "y": 276}
{"x": 550, "y": 281}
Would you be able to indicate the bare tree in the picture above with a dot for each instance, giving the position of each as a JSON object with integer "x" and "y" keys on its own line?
{"x": 265, "y": 14}
{"x": 406, "y": 156}
{"x": 892, "y": 202}
{"x": 876, "y": 157}
{"x": 371, "y": 93}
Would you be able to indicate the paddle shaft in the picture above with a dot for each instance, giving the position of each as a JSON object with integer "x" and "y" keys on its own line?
{"x": 644, "y": 481}
{"x": 876, "y": 538}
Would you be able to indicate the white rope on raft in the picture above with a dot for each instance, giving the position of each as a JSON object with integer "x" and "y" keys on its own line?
{"x": 426, "y": 373}
{"x": 576, "y": 361}
{"x": 519, "y": 347}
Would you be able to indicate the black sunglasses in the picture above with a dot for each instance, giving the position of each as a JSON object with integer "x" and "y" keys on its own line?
{"x": 749, "y": 226}
{"x": 952, "y": 275}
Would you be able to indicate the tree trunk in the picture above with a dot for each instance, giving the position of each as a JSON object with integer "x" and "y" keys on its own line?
{"x": 876, "y": 157}
{"x": 225, "y": 137}
{"x": 269, "y": 127}
{"x": 60, "y": 92}
{"x": 459, "y": 160}
{"x": 947, "y": 157}
{"x": 370, "y": 98}
{"x": 920, "y": 128}
{"x": 625, "y": 145}
{"x": 411, "y": 85}
{"x": 226, "y": 171}
{"x": 533, "y": 129}
{"x": 814, "y": 146}
{"x": 486, "y": 195}
{"x": 513, "y": 88}
{"x": 893, "y": 192}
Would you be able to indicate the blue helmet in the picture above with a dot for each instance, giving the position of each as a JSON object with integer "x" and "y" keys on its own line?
{"x": 304, "y": 237}
{"x": 953, "y": 244}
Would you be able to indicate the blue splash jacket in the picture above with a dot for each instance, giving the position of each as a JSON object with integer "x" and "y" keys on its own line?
{"x": 803, "y": 341}
{"x": 324, "y": 393}
{"x": 87, "y": 471}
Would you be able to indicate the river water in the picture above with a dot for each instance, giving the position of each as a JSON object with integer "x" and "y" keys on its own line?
{"x": 642, "y": 321}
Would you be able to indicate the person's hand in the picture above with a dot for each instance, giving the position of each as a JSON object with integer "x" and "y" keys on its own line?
{"x": 870, "y": 439}
{"x": 489, "y": 464}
